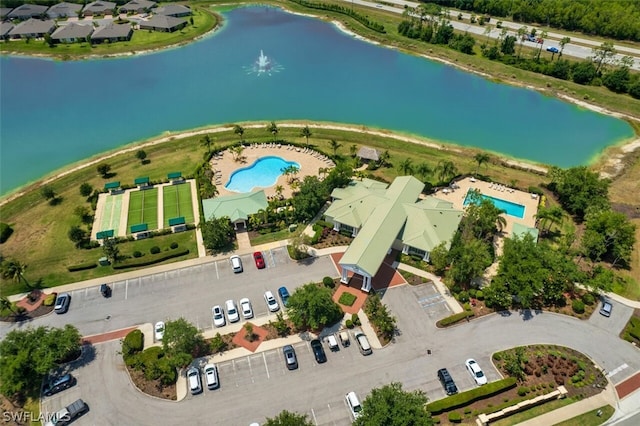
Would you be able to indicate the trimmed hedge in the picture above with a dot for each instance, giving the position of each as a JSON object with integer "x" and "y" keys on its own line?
{"x": 465, "y": 398}
{"x": 49, "y": 300}
{"x": 444, "y": 322}
{"x": 347, "y": 299}
{"x": 5, "y": 232}
{"x": 82, "y": 266}
{"x": 150, "y": 259}
{"x": 132, "y": 343}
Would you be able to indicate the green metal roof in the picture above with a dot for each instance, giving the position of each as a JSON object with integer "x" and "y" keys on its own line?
{"x": 429, "y": 223}
{"x": 174, "y": 175}
{"x": 139, "y": 228}
{"x": 176, "y": 221}
{"x": 382, "y": 227}
{"x": 521, "y": 230}
{"x": 141, "y": 180}
{"x": 112, "y": 185}
{"x": 235, "y": 207}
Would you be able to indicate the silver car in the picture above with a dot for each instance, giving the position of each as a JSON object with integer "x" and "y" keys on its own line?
{"x": 218, "y": 316}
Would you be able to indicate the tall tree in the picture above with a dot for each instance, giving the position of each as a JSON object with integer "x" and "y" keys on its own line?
{"x": 217, "y": 233}
{"x": 104, "y": 170}
{"x": 579, "y": 188}
{"x": 306, "y": 133}
{"x": 182, "y": 341}
{"x": 273, "y": 129}
{"x": 239, "y": 130}
{"x": 390, "y": 405}
{"x": 481, "y": 158}
{"x": 603, "y": 55}
{"x": 522, "y": 32}
{"x": 353, "y": 150}
{"x": 287, "y": 418}
{"x": 446, "y": 170}
{"x": 541, "y": 39}
{"x": 423, "y": 170}
{"x": 334, "y": 146}
{"x": 406, "y": 167}
{"x": 141, "y": 155}
{"x": 14, "y": 269}
{"x": 206, "y": 142}
{"x": 563, "y": 43}
{"x": 312, "y": 306}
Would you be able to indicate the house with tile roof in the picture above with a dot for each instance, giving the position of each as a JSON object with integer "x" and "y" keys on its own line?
{"x": 237, "y": 207}
{"x": 383, "y": 217}
{"x": 137, "y": 6}
{"x": 112, "y": 33}
{"x": 163, "y": 23}
{"x": 5, "y": 29}
{"x": 99, "y": 8}
{"x": 176, "y": 10}
{"x": 64, "y": 10}
{"x": 27, "y": 11}
{"x": 72, "y": 33}
{"x": 4, "y": 12}
{"x": 33, "y": 28}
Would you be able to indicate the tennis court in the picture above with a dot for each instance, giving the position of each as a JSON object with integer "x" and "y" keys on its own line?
{"x": 143, "y": 208}
{"x": 177, "y": 203}
{"x": 111, "y": 213}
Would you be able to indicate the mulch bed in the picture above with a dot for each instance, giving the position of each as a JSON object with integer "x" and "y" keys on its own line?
{"x": 152, "y": 387}
{"x": 331, "y": 238}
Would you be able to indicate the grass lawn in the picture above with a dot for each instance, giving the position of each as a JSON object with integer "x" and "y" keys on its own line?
{"x": 274, "y": 236}
{"x": 590, "y": 418}
{"x": 534, "y": 412}
{"x": 177, "y": 202}
{"x": 143, "y": 208}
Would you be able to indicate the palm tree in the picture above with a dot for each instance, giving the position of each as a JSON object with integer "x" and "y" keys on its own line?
{"x": 384, "y": 158}
{"x": 501, "y": 222}
{"x": 279, "y": 189}
{"x": 353, "y": 150}
{"x": 406, "y": 167}
{"x": 334, "y": 146}
{"x": 423, "y": 170}
{"x": 6, "y": 305}
{"x": 481, "y": 158}
{"x": 15, "y": 270}
{"x": 522, "y": 31}
{"x": 273, "y": 129}
{"x": 446, "y": 169}
{"x": 206, "y": 141}
{"x": 239, "y": 130}
{"x": 542, "y": 37}
{"x": 563, "y": 42}
{"x": 306, "y": 133}
{"x": 549, "y": 217}
{"x": 322, "y": 171}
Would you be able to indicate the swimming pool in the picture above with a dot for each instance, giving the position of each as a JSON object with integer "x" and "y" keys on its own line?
{"x": 512, "y": 209}
{"x": 263, "y": 173}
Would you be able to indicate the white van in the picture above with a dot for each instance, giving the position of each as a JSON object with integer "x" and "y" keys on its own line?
{"x": 236, "y": 264}
{"x": 193, "y": 378}
{"x": 354, "y": 404}
{"x": 363, "y": 343}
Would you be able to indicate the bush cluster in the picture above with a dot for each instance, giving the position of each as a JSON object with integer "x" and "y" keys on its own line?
{"x": 347, "y": 299}
{"x": 149, "y": 260}
{"x": 578, "y": 306}
{"x": 5, "y": 232}
{"x": 49, "y": 300}
{"x": 444, "y": 322}
{"x": 461, "y": 399}
{"x": 82, "y": 266}
{"x": 328, "y": 282}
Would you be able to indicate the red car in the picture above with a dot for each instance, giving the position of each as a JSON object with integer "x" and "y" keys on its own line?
{"x": 257, "y": 256}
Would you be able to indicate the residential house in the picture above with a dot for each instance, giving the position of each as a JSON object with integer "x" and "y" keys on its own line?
{"x": 137, "y": 6}
{"x": 237, "y": 207}
{"x": 383, "y": 217}
{"x": 112, "y": 33}
{"x": 4, "y": 12}
{"x": 64, "y": 10}
{"x": 163, "y": 23}
{"x": 72, "y": 33}
{"x": 176, "y": 10}
{"x": 33, "y": 28}
{"x": 5, "y": 29}
{"x": 27, "y": 11}
{"x": 99, "y": 8}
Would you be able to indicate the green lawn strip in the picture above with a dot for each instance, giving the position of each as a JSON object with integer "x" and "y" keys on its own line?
{"x": 590, "y": 418}
{"x": 347, "y": 299}
{"x": 150, "y": 212}
{"x": 534, "y": 412}
{"x": 271, "y": 237}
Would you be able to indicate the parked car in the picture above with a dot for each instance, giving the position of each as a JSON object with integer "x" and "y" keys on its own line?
{"x": 272, "y": 303}
{"x": 63, "y": 300}
{"x": 68, "y": 413}
{"x": 58, "y": 384}
{"x": 193, "y": 378}
{"x": 354, "y": 404}
{"x": 363, "y": 343}
{"x": 606, "y": 308}
{"x": 553, "y": 49}
{"x": 105, "y": 290}
{"x": 290, "y": 357}
{"x": 447, "y": 381}
{"x": 476, "y": 372}
{"x": 218, "y": 316}
{"x": 257, "y": 257}
{"x": 318, "y": 351}
{"x": 159, "y": 330}
{"x": 246, "y": 308}
{"x": 236, "y": 264}
{"x": 284, "y": 295}
{"x": 232, "y": 311}
{"x": 211, "y": 376}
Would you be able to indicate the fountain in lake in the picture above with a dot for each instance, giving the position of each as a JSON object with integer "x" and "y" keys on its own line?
{"x": 263, "y": 65}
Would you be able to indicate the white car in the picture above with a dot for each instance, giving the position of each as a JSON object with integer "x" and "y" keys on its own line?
{"x": 232, "y": 311}
{"x": 159, "y": 330}
{"x": 272, "y": 303}
{"x": 245, "y": 308}
{"x": 476, "y": 372}
{"x": 218, "y": 316}
{"x": 211, "y": 376}
{"x": 354, "y": 404}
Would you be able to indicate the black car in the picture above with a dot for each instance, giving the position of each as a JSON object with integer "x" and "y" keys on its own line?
{"x": 58, "y": 384}
{"x": 105, "y": 290}
{"x": 318, "y": 351}
{"x": 447, "y": 381}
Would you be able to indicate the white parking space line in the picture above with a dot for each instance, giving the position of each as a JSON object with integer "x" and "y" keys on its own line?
{"x": 266, "y": 367}
{"x": 617, "y": 370}
{"x": 126, "y": 289}
{"x": 313, "y": 414}
{"x": 273, "y": 260}
{"x": 251, "y": 370}
{"x": 217, "y": 274}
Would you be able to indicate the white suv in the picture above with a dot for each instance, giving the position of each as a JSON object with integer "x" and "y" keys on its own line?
{"x": 272, "y": 303}
{"x": 354, "y": 404}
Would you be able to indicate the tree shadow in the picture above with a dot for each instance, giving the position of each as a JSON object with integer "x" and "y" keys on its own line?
{"x": 56, "y": 201}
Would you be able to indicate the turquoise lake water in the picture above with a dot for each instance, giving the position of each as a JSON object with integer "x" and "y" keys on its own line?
{"x": 510, "y": 208}
{"x": 263, "y": 173}
{"x": 55, "y": 113}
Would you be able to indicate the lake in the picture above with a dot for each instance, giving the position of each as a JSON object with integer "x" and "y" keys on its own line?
{"x": 55, "y": 113}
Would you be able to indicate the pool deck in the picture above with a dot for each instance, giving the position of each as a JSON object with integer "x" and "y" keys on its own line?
{"x": 529, "y": 201}
{"x": 310, "y": 163}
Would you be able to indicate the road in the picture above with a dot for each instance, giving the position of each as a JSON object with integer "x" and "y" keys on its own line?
{"x": 553, "y": 38}
{"x": 259, "y": 386}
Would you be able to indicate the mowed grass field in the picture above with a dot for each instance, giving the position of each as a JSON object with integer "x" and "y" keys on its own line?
{"x": 143, "y": 208}
{"x": 177, "y": 202}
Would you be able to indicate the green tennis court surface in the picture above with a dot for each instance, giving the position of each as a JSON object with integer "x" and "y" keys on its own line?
{"x": 111, "y": 213}
{"x": 177, "y": 203}
{"x": 143, "y": 208}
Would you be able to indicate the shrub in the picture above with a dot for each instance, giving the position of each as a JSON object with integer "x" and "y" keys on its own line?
{"x": 479, "y": 295}
{"x": 328, "y": 282}
{"x": 155, "y": 250}
{"x": 444, "y": 322}
{"x": 174, "y": 245}
{"x": 588, "y": 299}
{"x": 467, "y": 306}
{"x": 523, "y": 390}
{"x": 348, "y": 323}
{"x": 5, "y": 232}
{"x": 473, "y": 292}
{"x": 497, "y": 356}
{"x": 465, "y": 398}
{"x": 218, "y": 344}
{"x": 82, "y": 267}
{"x": 49, "y": 300}
{"x": 463, "y": 296}
{"x": 455, "y": 417}
{"x": 578, "y": 306}
{"x": 137, "y": 254}
{"x": 132, "y": 343}
{"x": 347, "y": 299}
{"x": 355, "y": 319}
{"x": 133, "y": 263}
